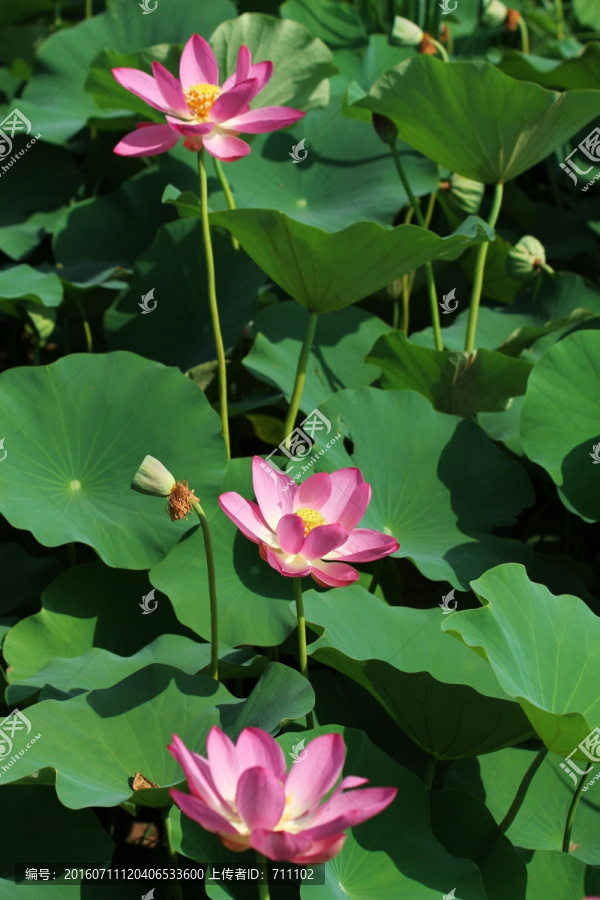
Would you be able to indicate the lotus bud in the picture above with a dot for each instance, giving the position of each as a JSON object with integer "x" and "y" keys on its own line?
{"x": 526, "y": 258}
{"x": 494, "y": 13}
{"x": 406, "y": 32}
{"x": 153, "y": 478}
{"x": 464, "y": 194}
{"x": 385, "y": 128}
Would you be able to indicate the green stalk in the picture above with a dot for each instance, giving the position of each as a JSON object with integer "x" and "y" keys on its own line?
{"x": 212, "y": 593}
{"x": 429, "y": 772}
{"x": 263, "y": 887}
{"x": 174, "y": 886}
{"x": 310, "y": 722}
{"x": 227, "y": 191}
{"x": 86, "y": 326}
{"x": 571, "y": 814}
{"x": 212, "y": 300}
{"x": 300, "y": 373}
{"x": 560, "y": 20}
{"x": 440, "y": 49}
{"x": 433, "y": 302}
{"x": 88, "y": 9}
{"x": 515, "y": 806}
{"x": 480, "y": 258}
{"x": 524, "y": 32}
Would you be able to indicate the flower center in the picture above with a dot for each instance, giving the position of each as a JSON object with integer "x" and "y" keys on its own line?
{"x": 200, "y": 99}
{"x": 311, "y": 518}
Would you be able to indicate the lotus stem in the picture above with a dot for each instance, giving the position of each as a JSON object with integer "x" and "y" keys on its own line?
{"x": 440, "y": 49}
{"x": 86, "y": 326}
{"x": 300, "y": 374}
{"x": 212, "y": 300}
{"x": 212, "y": 593}
{"x": 429, "y": 773}
{"x": 228, "y": 195}
{"x": 433, "y": 302}
{"x": 560, "y": 20}
{"x": 310, "y": 722}
{"x": 263, "y": 886}
{"x": 515, "y": 806}
{"x": 480, "y": 258}
{"x": 174, "y": 886}
{"x": 571, "y": 814}
{"x": 524, "y": 32}
{"x": 88, "y": 9}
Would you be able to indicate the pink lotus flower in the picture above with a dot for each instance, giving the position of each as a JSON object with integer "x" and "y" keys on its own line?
{"x": 197, "y": 109}
{"x": 310, "y": 528}
{"x": 243, "y": 794}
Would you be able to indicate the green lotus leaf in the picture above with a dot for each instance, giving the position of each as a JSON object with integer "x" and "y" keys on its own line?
{"x": 445, "y": 701}
{"x": 75, "y": 434}
{"x": 301, "y": 62}
{"x": 460, "y": 383}
{"x": 174, "y": 267}
{"x": 535, "y": 665}
{"x": 577, "y": 73}
{"x": 419, "y": 463}
{"x": 540, "y": 822}
{"x": 346, "y": 265}
{"x": 97, "y": 741}
{"x": 560, "y": 420}
{"x": 24, "y": 283}
{"x": 450, "y": 114}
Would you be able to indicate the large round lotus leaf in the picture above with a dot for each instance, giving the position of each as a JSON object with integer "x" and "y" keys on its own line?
{"x": 560, "y": 420}
{"x": 347, "y": 176}
{"x": 175, "y": 268}
{"x": 341, "y": 342}
{"x": 254, "y": 599}
{"x": 447, "y": 702}
{"x": 531, "y": 639}
{"x": 301, "y": 62}
{"x": 373, "y": 863}
{"x": 66, "y": 627}
{"x": 540, "y": 822}
{"x": 453, "y": 114}
{"x": 338, "y": 24}
{"x": 98, "y": 740}
{"x": 55, "y": 100}
{"x": 440, "y": 485}
{"x": 76, "y": 432}
{"x": 327, "y": 271}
